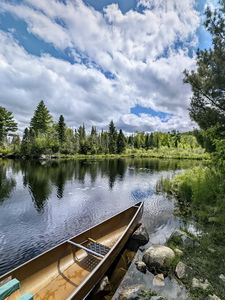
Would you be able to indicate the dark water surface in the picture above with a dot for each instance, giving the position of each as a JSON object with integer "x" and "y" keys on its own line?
{"x": 42, "y": 204}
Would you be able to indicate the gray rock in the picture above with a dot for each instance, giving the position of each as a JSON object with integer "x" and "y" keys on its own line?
{"x": 222, "y": 277}
{"x": 181, "y": 270}
{"x": 183, "y": 238}
{"x": 141, "y": 235}
{"x": 131, "y": 293}
{"x": 200, "y": 283}
{"x": 141, "y": 266}
{"x": 158, "y": 257}
{"x": 158, "y": 280}
{"x": 105, "y": 285}
{"x": 213, "y": 297}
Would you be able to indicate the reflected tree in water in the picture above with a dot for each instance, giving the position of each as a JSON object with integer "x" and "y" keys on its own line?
{"x": 37, "y": 178}
{"x": 7, "y": 183}
{"x": 62, "y": 172}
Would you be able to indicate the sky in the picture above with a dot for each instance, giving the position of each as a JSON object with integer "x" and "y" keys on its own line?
{"x": 99, "y": 60}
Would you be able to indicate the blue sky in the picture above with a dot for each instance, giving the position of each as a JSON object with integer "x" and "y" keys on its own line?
{"x": 97, "y": 60}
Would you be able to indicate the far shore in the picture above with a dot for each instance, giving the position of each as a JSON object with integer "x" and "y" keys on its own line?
{"x": 152, "y": 154}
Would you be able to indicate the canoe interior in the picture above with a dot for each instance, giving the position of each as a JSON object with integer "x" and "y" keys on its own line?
{"x": 57, "y": 273}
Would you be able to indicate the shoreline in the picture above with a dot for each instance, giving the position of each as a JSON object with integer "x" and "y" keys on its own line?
{"x": 151, "y": 155}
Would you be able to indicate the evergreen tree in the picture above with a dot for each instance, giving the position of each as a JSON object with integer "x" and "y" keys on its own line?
{"x": 131, "y": 141}
{"x": 61, "y": 130}
{"x": 7, "y": 123}
{"x": 208, "y": 81}
{"x": 42, "y": 120}
{"x": 26, "y": 142}
{"x": 16, "y": 143}
{"x": 93, "y": 141}
{"x": 121, "y": 142}
{"x": 112, "y": 138}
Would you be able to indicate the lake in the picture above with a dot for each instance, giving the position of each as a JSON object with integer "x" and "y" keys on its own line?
{"x": 44, "y": 203}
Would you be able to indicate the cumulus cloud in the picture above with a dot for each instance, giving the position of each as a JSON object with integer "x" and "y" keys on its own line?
{"x": 146, "y": 50}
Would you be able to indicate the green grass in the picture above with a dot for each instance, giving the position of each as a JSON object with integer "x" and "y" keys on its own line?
{"x": 200, "y": 194}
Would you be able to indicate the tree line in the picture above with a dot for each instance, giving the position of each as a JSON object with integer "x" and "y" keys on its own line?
{"x": 44, "y": 136}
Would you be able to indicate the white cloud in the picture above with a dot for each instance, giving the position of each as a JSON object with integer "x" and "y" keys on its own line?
{"x": 132, "y": 46}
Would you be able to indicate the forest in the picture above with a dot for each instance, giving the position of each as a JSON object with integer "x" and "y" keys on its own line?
{"x": 46, "y": 137}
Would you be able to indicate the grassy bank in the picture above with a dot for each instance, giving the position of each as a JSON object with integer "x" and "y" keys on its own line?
{"x": 200, "y": 194}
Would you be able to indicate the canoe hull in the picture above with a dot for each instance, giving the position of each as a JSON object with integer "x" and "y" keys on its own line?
{"x": 102, "y": 268}
{"x": 44, "y": 269}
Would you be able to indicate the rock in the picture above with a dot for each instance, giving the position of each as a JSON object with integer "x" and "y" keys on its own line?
{"x": 138, "y": 292}
{"x": 181, "y": 270}
{"x": 200, "y": 284}
{"x": 158, "y": 258}
{"x": 222, "y": 277}
{"x": 178, "y": 252}
{"x": 141, "y": 235}
{"x": 213, "y": 297}
{"x": 131, "y": 293}
{"x": 105, "y": 285}
{"x": 158, "y": 280}
{"x": 43, "y": 157}
{"x": 181, "y": 237}
{"x": 141, "y": 266}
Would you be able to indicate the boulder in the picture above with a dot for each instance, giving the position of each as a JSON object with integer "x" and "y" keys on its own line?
{"x": 182, "y": 238}
{"x": 158, "y": 280}
{"x": 141, "y": 235}
{"x": 158, "y": 258}
{"x": 181, "y": 270}
{"x": 141, "y": 266}
{"x": 200, "y": 284}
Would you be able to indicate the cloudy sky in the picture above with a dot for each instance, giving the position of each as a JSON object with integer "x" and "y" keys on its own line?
{"x": 97, "y": 60}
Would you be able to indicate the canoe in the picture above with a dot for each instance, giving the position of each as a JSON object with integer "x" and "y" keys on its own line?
{"x": 73, "y": 268}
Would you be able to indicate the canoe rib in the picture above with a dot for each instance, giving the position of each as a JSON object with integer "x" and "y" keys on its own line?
{"x": 57, "y": 274}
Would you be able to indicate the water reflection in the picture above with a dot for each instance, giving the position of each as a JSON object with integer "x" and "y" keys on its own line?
{"x": 44, "y": 203}
{"x": 7, "y": 182}
{"x": 40, "y": 178}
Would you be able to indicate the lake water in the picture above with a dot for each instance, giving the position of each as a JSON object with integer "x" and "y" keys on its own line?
{"x": 44, "y": 203}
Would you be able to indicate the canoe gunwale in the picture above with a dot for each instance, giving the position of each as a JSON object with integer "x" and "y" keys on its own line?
{"x": 139, "y": 207}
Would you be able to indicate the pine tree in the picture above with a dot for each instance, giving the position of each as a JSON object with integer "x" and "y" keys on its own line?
{"x": 121, "y": 142}
{"x": 42, "y": 120}
{"x": 112, "y": 138}
{"x": 93, "y": 141}
{"x": 208, "y": 80}
{"x": 7, "y": 123}
{"x": 61, "y": 130}
{"x": 26, "y": 142}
